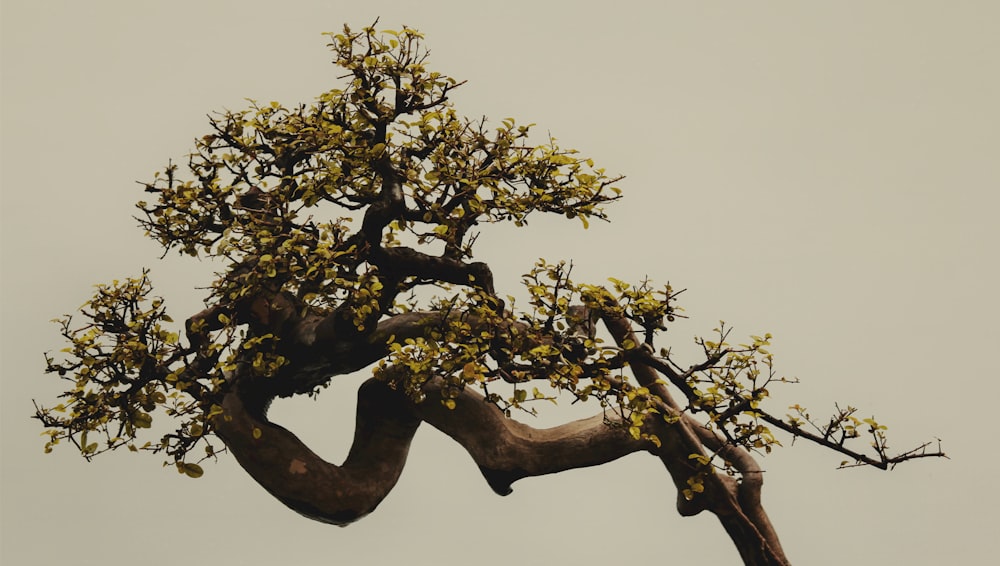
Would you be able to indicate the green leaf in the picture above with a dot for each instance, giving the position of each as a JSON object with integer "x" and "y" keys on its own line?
{"x": 142, "y": 420}
{"x": 192, "y": 470}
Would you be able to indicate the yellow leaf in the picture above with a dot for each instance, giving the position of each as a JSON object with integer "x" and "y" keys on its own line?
{"x": 470, "y": 370}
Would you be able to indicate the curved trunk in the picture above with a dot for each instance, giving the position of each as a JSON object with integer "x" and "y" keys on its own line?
{"x": 306, "y": 483}
{"x": 505, "y": 450}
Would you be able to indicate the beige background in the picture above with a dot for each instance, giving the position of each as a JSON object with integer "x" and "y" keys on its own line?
{"x": 825, "y": 171}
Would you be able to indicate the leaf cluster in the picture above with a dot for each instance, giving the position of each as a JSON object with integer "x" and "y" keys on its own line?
{"x": 125, "y": 366}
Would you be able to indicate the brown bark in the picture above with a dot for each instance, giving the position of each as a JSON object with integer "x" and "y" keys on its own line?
{"x": 505, "y": 450}
{"x": 735, "y": 503}
{"x": 303, "y": 481}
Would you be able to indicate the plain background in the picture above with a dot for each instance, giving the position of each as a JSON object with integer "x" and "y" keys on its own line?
{"x": 827, "y": 172}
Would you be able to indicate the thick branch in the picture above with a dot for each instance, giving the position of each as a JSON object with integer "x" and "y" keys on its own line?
{"x": 390, "y": 204}
{"x": 328, "y": 353}
{"x": 505, "y": 450}
{"x": 737, "y": 505}
{"x": 402, "y": 261}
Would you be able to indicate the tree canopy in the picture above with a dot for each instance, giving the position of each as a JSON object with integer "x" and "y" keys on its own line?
{"x": 345, "y": 230}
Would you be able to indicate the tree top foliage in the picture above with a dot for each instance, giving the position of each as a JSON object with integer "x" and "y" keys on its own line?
{"x": 262, "y": 191}
{"x": 346, "y": 229}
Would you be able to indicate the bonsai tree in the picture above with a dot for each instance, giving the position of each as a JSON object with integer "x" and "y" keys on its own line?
{"x": 345, "y": 232}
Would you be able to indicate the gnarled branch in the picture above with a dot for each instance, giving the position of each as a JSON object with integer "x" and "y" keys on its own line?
{"x": 505, "y": 450}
